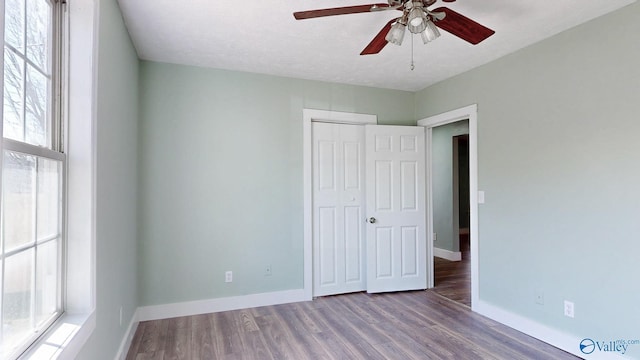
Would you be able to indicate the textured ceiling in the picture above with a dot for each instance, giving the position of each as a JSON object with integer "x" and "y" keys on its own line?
{"x": 263, "y": 37}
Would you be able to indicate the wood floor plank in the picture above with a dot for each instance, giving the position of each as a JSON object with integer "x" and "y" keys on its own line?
{"x": 309, "y": 345}
{"x": 391, "y": 350}
{"x": 345, "y": 321}
{"x": 309, "y": 319}
{"x": 220, "y": 336}
{"x": 277, "y": 339}
{"x": 248, "y": 321}
{"x": 362, "y": 308}
{"x": 347, "y": 333}
{"x": 458, "y": 344}
{"x": 178, "y": 342}
{"x": 231, "y": 331}
{"x": 254, "y": 346}
{"x": 201, "y": 339}
{"x": 338, "y": 345}
{"x": 415, "y": 346}
{"x": 155, "y": 355}
{"x": 252, "y": 341}
{"x": 150, "y": 337}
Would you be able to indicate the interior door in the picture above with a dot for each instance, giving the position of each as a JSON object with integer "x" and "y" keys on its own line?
{"x": 338, "y": 209}
{"x": 395, "y": 208}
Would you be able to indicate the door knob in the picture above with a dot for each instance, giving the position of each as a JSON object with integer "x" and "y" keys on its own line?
{"x": 372, "y": 220}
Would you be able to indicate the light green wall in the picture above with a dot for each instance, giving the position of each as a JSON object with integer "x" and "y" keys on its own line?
{"x": 442, "y": 176}
{"x": 221, "y": 176}
{"x": 558, "y": 154}
{"x": 116, "y": 184}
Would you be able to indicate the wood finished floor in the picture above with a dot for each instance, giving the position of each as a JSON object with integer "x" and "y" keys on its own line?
{"x": 453, "y": 278}
{"x": 407, "y": 325}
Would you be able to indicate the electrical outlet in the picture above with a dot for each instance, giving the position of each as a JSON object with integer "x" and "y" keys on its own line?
{"x": 435, "y": 236}
{"x": 120, "y": 315}
{"x": 568, "y": 309}
{"x": 539, "y": 297}
{"x": 267, "y": 270}
{"x": 228, "y": 276}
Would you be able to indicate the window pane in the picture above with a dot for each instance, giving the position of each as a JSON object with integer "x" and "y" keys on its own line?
{"x": 46, "y": 281}
{"x": 38, "y": 27}
{"x": 14, "y": 23}
{"x": 16, "y": 316}
{"x": 18, "y": 199}
{"x": 37, "y": 108}
{"x": 13, "y": 90}
{"x": 48, "y": 198}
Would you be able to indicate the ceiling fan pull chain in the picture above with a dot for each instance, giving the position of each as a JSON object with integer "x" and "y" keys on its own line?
{"x": 412, "y": 66}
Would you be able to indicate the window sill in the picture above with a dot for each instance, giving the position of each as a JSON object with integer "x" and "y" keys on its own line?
{"x": 65, "y": 339}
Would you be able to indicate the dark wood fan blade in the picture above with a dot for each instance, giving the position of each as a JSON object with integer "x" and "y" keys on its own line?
{"x": 379, "y": 41}
{"x": 462, "y": 27}
{"x": 337, "y": 11}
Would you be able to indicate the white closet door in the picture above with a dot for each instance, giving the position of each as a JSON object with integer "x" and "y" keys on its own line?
{"x": 338, "y": 209}
{"x": 395, "y": 202}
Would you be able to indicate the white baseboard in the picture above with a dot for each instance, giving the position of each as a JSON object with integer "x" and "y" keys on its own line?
{"x": 447, "y": 254}
{"x": 554, "y": 337}
{"x": 189, "y": 308}
{"x": 128, "y": 337}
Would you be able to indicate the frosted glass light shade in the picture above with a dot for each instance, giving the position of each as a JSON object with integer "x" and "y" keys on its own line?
{"x": 430, "y": 33}
{"x": 396, "y": 34}
{"x": 417, "y": 20}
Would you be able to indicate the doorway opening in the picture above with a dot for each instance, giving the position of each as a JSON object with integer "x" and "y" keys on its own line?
{"x": 452, "y": 270}
{"x": 456, "y": 244}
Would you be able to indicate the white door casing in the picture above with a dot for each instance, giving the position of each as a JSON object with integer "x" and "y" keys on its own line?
{"x": 338, "y": 208}
{"x": 395, "y": 198}
{"x": 465, "y": 113}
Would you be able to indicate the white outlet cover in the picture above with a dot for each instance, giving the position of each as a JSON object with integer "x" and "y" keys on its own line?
{"x": 568, "y": 309}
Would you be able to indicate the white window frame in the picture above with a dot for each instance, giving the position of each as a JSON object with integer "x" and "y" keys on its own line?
{"x": 66, "y": 338}
{"x": 56, "y": 152}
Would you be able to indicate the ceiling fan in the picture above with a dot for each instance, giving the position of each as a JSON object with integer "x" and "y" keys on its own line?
{"x": 415, "y": 17}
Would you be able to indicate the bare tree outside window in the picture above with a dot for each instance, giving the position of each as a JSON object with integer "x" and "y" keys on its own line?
{"x": 27, "y": 74}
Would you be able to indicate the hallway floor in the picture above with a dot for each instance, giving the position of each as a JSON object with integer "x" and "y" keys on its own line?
{"x": 453, "y": 278}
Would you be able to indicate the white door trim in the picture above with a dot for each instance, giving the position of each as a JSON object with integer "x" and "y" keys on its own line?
{"x": 471, "y": 113}
{"x": 308, "y": 116}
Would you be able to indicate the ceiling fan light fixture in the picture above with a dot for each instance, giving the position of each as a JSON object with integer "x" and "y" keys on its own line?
{"x": 417, "y": 20}
{"x": 396, "y": 34}
{"x": 430, "y": 33}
